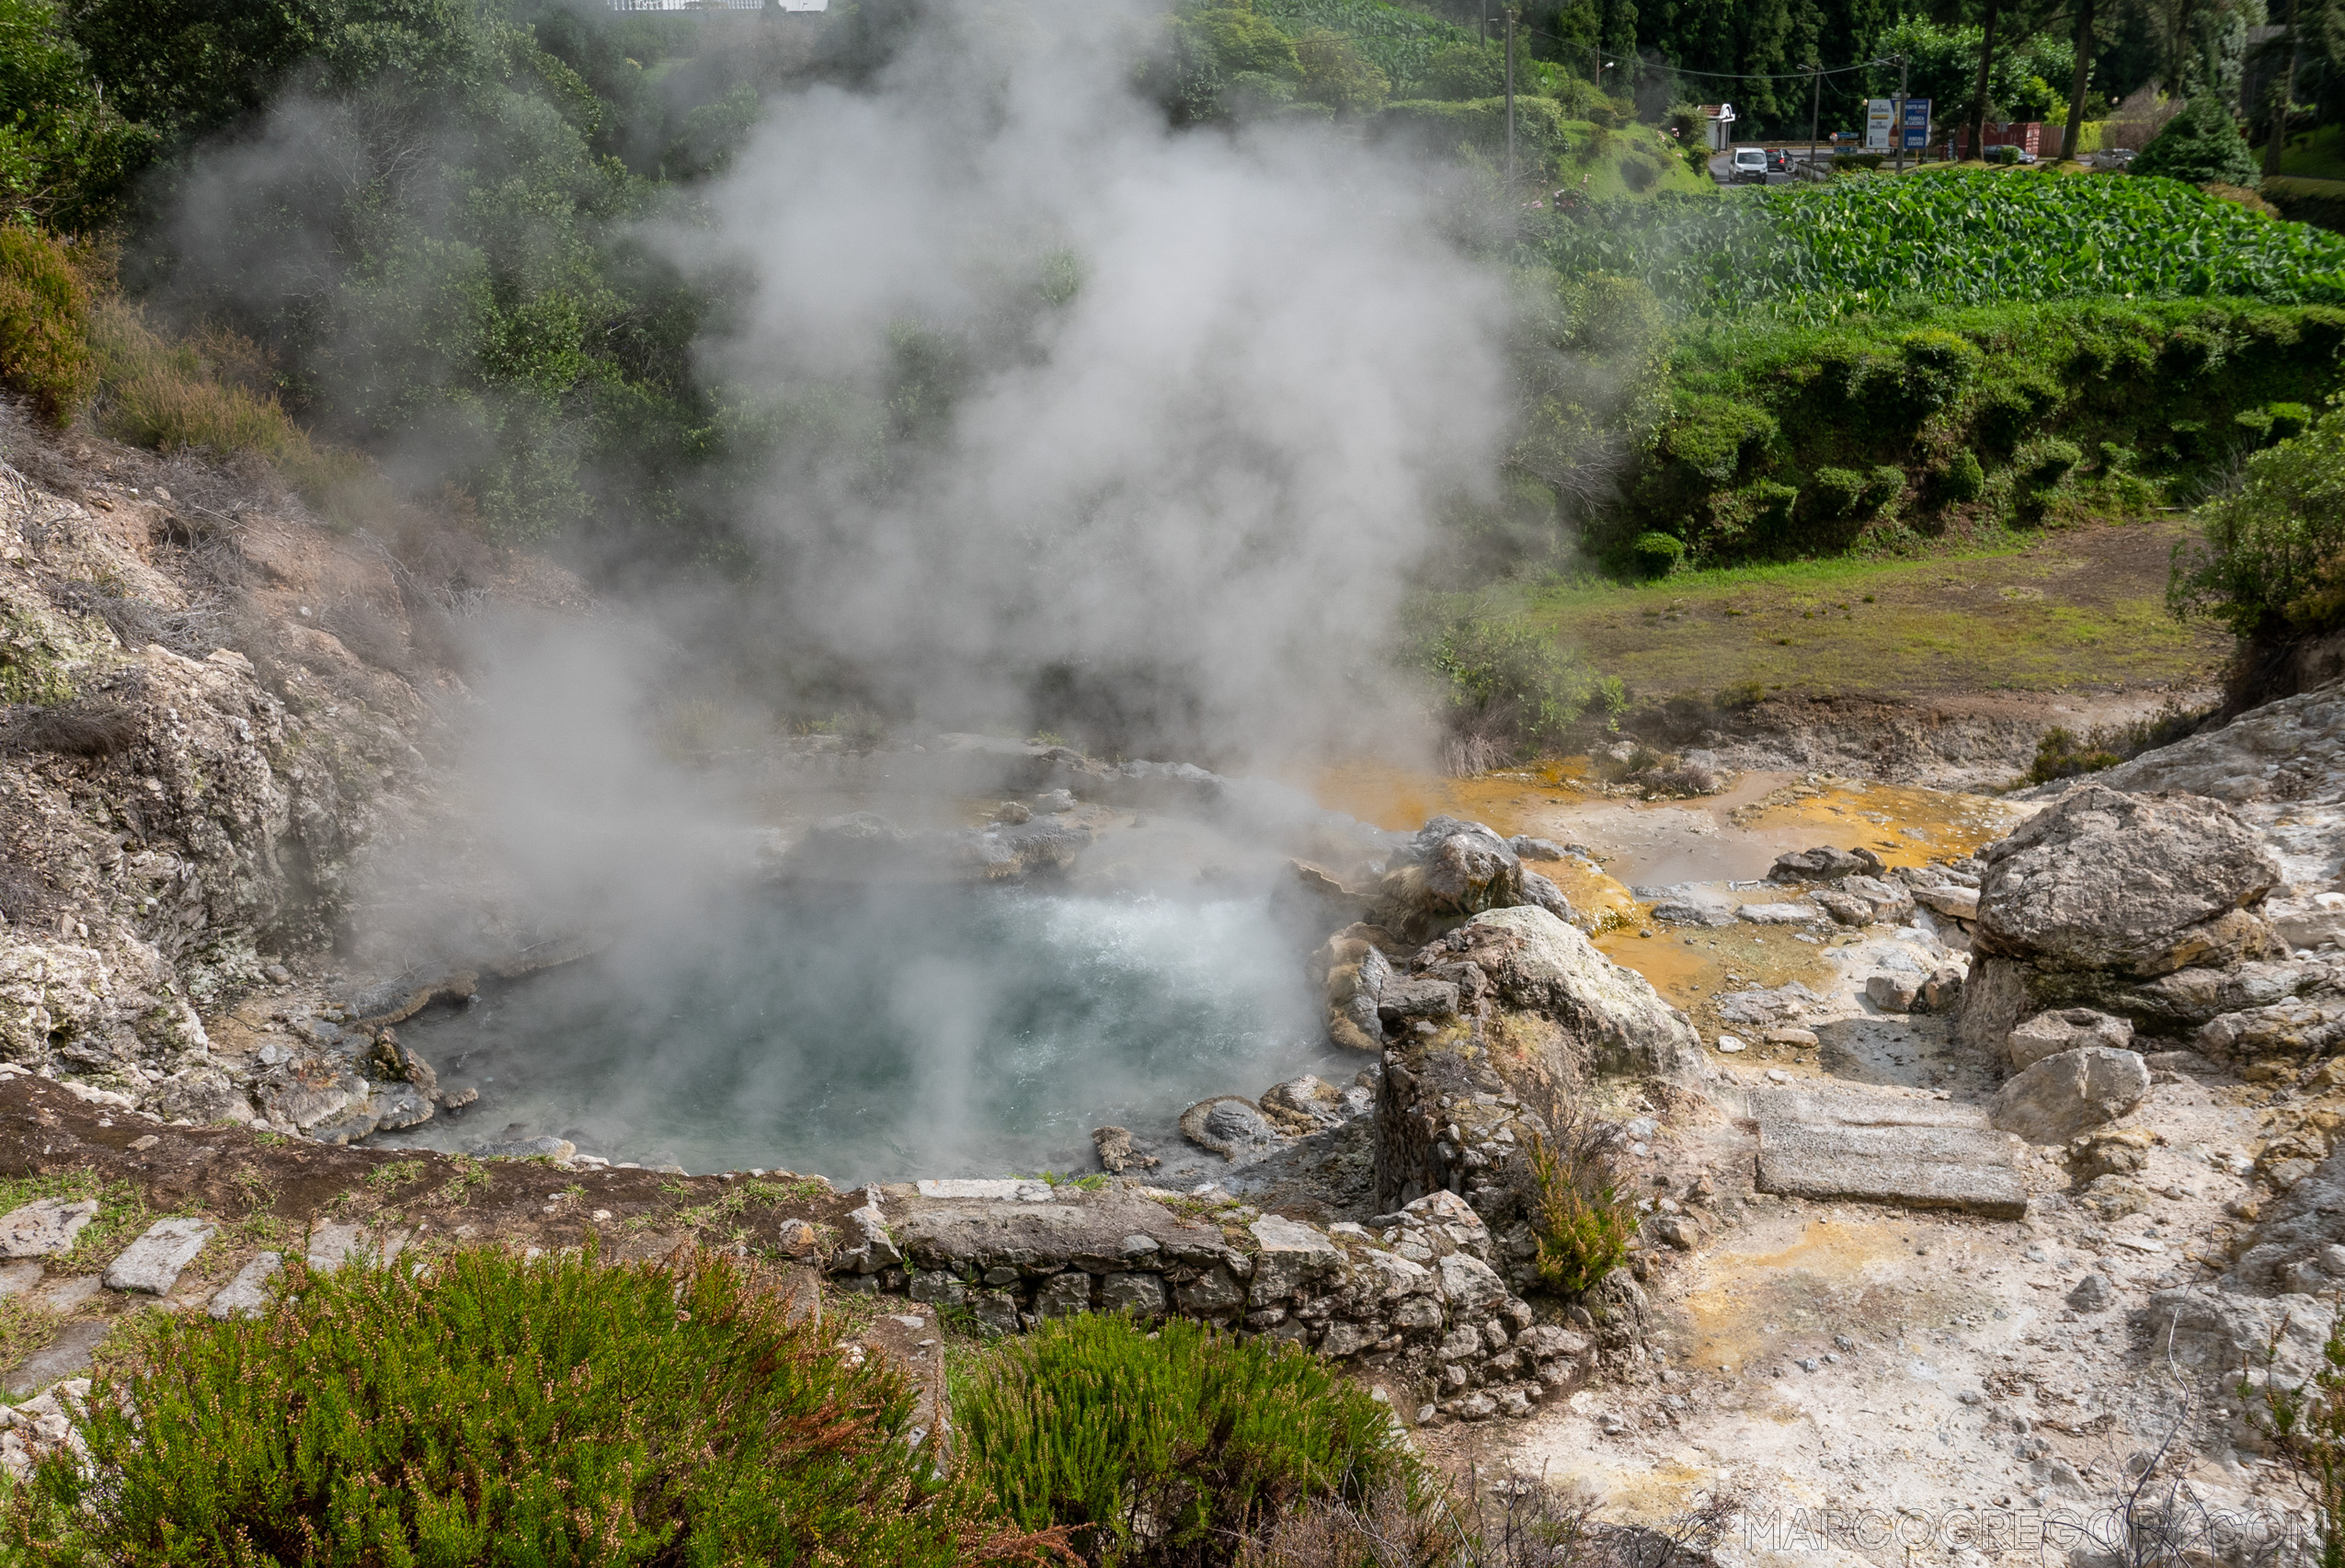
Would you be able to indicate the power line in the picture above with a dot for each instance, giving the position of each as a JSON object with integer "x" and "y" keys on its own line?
{"x": 1722, "y": 75}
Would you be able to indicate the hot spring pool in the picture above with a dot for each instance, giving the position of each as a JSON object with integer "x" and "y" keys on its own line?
{"x": 883, "y": 1034}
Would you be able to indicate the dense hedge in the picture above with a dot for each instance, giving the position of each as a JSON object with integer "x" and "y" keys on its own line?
{"x": 1784, "y": 439}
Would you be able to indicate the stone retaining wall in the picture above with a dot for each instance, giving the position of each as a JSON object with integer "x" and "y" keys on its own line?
{"x": 1414, "y": 1291}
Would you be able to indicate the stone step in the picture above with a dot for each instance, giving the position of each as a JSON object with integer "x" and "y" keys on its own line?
{"x": 1915, "y": 1153}
{"x": 1856, "y": 1108}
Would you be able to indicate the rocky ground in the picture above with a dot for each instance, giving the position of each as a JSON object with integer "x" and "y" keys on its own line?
{"x": 1979, "y": 1142}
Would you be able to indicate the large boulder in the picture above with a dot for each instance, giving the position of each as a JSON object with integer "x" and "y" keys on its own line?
{"x": 2074, "y": 1092}
{"x": 1612, "y": 1017}
{"x": 1452, "y": 871}
{"x": 2104, "y": 880}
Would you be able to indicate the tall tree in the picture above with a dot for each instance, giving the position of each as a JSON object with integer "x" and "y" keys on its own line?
{"x": 2081, "y": 81}
{"x": 1978, "y": 95}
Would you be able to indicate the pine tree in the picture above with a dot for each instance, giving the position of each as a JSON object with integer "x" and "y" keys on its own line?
{"x": 2201, "y": 145}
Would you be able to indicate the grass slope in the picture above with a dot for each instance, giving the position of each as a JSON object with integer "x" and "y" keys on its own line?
{"x": 2074, "y": 608}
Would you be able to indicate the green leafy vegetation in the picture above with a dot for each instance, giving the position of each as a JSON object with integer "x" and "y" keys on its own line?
{"x": 2271, "y": 564}
{"x": 1508, "y": 688}
{"x": 1947, "y": 236}
{"x": 1165, "y": 1445}
{"x": 44, "y": 314}
{"x": 2305, "y": 1425}
{"x": 65, "y": 153}
{"x": 2064, "y": 754}
{"x": 1893, "y": 430}
{"x": 496, "y": 1411}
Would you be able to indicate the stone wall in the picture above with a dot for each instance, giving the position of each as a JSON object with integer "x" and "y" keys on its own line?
{"x": 1413, "y": 1291}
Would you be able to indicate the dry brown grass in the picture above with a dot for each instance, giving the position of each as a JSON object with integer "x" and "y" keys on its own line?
{"x": 194, "y": 397}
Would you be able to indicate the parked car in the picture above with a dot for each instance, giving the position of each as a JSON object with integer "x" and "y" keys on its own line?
{"x": 1778, "y": 161}
{"x": 1750, "y": 165}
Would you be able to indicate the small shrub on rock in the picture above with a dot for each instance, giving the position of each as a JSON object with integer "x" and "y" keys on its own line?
{"x": 1582, "y": 1220}
{"x": 1166, "y": 1447}
{"x": 494, "y": 1411}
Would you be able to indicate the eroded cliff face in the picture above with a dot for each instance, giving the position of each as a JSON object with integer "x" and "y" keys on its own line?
{"x": 212, "y": 704}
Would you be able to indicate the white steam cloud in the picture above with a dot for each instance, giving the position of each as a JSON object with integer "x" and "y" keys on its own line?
{"x": 1207, "y": 474}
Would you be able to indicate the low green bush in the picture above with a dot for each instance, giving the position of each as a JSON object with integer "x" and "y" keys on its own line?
{"x": 2042, "y": 463}
{"x": 489, "y": 1411}
{"x": 1658, "y": 554}
{"x": 1164, "y": 1447}
{"x": 1506, "y": 687}
{"x": 1961, "y": 480}
{"x": 2066, "y": 754}
{"x": 44, "y": 325}
{"x": 2270, "y": 563}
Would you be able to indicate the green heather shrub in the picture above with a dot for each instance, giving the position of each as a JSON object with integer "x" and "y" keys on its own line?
{"x": 2200, "y": 145}
{"x": 2271, "y": 561}
{"x": 1938, "y": 366}
{"x": 1459, "y": 71}
{"x": 496, "y": 1412}
{"x": 1883, "y": 486}
{"x": 2064, "y": 754}
{"x": 1165, "y": 1445}
{"x": 1581, "y": 1214}
{"x": 1710, "y": 435}
{"x": 1243, "y": 41}
{"x": 1335, "y": 74}
{"x": 44, "y": 325}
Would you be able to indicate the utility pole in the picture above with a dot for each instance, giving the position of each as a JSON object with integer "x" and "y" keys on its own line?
{"x": 1815, "y": 101}
{"x": 1510, "y": 100}
{"x": 1978, "y": 103}
{"x": 2084, "y": 72}
{"x": 1898, "y": 119}
{"x": 2278, "y": 142}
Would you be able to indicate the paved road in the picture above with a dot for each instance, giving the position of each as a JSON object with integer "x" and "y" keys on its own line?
{"x": 1721, "y": 165}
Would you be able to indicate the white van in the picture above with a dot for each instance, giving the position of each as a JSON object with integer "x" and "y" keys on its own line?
{"x": 1750, "y": 165}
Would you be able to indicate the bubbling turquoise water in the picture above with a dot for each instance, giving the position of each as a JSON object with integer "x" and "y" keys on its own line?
{"x": 881, "y": 1035}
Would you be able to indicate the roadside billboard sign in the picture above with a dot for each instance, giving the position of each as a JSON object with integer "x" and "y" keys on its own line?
{"x": 1878, "y": 115}
{"x": 1917, "y": 123}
